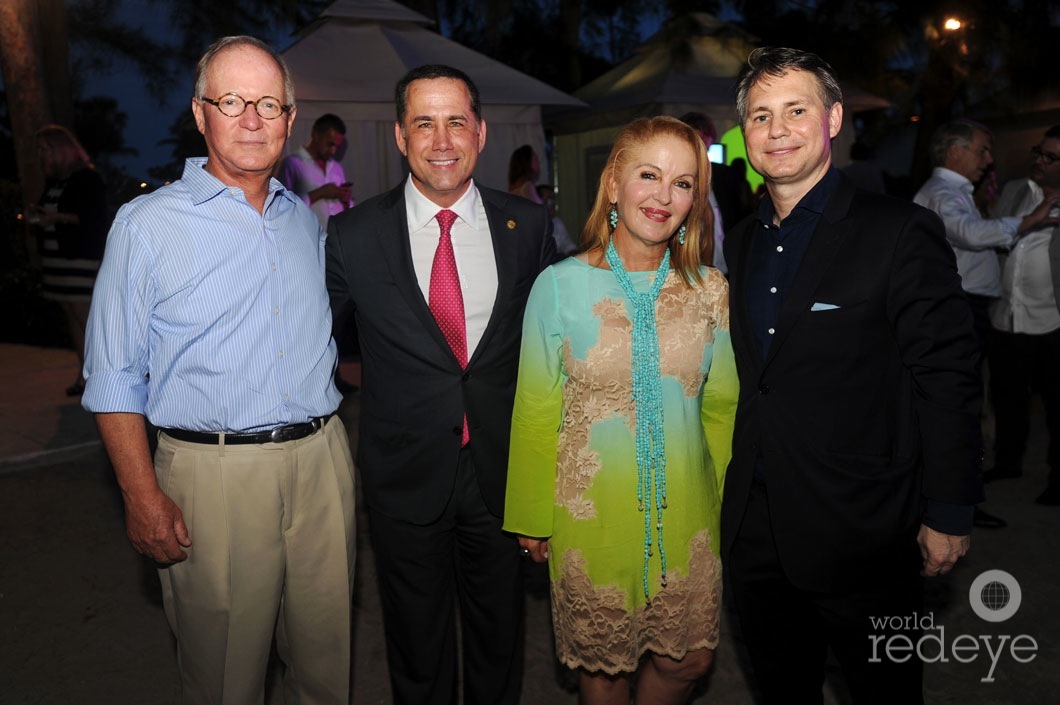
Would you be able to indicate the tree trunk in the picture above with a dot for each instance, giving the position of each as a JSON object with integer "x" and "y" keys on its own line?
{"x": 30, "y": 79}
{"x": 571, "y": 21}
{"x": 943, "y": 79}
{"x": 496, "y": 12}
{"x": 55, "y": 46}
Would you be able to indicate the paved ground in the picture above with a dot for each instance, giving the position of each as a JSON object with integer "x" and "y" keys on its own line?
{"x": 81, "y": 619}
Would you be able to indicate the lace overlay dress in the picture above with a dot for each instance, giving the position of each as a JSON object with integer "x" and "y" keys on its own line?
{"x": 572, "y": 473}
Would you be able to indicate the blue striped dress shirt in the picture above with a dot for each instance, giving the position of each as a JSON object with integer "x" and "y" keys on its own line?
{"x": 210, "y": 316}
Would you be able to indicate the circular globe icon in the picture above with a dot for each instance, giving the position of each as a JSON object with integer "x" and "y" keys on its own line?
{"x": 995, "y": 595}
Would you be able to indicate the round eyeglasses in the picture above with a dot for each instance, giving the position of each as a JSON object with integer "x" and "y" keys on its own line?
{"x": 1048, "y": 157}
{"x": 234, "y": 105}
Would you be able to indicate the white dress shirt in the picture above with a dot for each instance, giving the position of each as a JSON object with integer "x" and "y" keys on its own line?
{"x": 301, "y": 173}
{"x": 972, "y": 237}
{"x": 472, "y": 248}
{"x": 1028, "y": 302}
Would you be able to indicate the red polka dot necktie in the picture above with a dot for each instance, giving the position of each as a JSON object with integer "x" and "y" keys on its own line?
{"x": 445, "y": 297}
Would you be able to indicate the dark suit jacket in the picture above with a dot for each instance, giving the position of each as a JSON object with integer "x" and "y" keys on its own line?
{"x": 732, "y": 192}
{"x": 413, "y": 393}
{"x": 861, "y": 410}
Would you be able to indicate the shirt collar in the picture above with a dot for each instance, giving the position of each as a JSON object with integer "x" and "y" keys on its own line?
{"x": 202, "y": 185}
{"x": 815, "y": 200}
{"x": 1036, "y": 191}
{"x": 422, "y": 210}
{"x": 953, "y": 178}
{"x": 303, "y": 152}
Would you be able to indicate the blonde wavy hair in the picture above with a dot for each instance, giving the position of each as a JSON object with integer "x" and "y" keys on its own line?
{"x": 699, "y": 234}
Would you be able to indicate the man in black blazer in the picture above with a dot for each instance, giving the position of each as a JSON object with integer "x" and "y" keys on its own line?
{"x": 436, "y": 406}
{"x": 856, "y": 451}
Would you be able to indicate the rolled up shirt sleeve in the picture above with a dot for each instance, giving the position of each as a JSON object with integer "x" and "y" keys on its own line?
{"x": 116, "y": 345}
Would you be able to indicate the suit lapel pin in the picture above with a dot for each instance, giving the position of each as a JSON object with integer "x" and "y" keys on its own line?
{"x": 511, "y": 225}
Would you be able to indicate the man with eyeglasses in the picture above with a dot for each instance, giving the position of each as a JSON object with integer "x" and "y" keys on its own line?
{"x": 210, "y": 321}
{"x": 1027, "y": 322}
{"x": 961, "y": 151}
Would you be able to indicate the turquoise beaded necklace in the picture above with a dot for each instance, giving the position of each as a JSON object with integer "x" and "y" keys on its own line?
{"x": 648, "y": 405}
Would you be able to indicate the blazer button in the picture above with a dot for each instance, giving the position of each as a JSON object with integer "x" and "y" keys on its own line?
{"x": 458, "y": 430}
{"x": 466, "y": 376}
{"x": 763, "y": 389}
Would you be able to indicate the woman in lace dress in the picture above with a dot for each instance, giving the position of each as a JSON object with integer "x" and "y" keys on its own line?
{"x": 623, "y": 426}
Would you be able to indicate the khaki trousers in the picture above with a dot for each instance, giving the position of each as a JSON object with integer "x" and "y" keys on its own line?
{"x": 273, "y": 549}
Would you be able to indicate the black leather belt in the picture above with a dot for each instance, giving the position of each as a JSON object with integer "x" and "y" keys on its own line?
{"x": 280, "y": 434}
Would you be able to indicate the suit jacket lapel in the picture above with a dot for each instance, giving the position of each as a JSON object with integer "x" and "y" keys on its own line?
{"x": 745, "y": 338}
{"x": 505, "y": 255}
{"x": 393, "y": 237}
{"x": 823, "y": 247}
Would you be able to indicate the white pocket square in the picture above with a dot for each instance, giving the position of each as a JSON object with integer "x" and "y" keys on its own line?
{"x": 821, "y": 306}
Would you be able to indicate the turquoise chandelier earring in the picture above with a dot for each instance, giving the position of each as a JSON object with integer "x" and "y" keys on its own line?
{"x": 612, "y": 218}
{"x": 681, "y": 234}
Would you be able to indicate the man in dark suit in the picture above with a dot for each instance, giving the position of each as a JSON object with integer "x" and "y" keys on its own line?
{"x": 856, "y": 452}
{"x": 437, "y": 272}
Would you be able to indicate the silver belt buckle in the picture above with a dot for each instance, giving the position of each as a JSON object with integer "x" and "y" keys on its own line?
{"x": 283, "y": 434}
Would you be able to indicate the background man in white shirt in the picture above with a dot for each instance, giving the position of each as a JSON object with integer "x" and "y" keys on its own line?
{"x": 1027, "y": 322}
{"x": 313, "y": 173}
{"x": 961, "y": 151}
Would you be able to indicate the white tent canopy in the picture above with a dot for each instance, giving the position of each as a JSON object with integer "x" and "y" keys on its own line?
{"x": 690, "y": 64}
{"x": 348, "y": 61}
{"x": 692, "y": 61}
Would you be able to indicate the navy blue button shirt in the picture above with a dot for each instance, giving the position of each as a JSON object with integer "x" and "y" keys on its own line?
{"x": 776, "y": 253}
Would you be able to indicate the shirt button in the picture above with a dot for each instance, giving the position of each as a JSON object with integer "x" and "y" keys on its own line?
{"x": 281, "y": 352}
{"x": 276, "y": 310}
{"x": 772, "y": 290}
{"x": 763, "y": 389}
{"x": 274, "y": 267}
{"x": 780, "y": 248}
{"x": 771, "y": 331}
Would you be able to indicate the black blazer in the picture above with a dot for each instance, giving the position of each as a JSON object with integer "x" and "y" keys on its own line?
{"x": 413, "y": 393}
{"x": 863, "y": 407}
{"x": 732, "y": 192}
